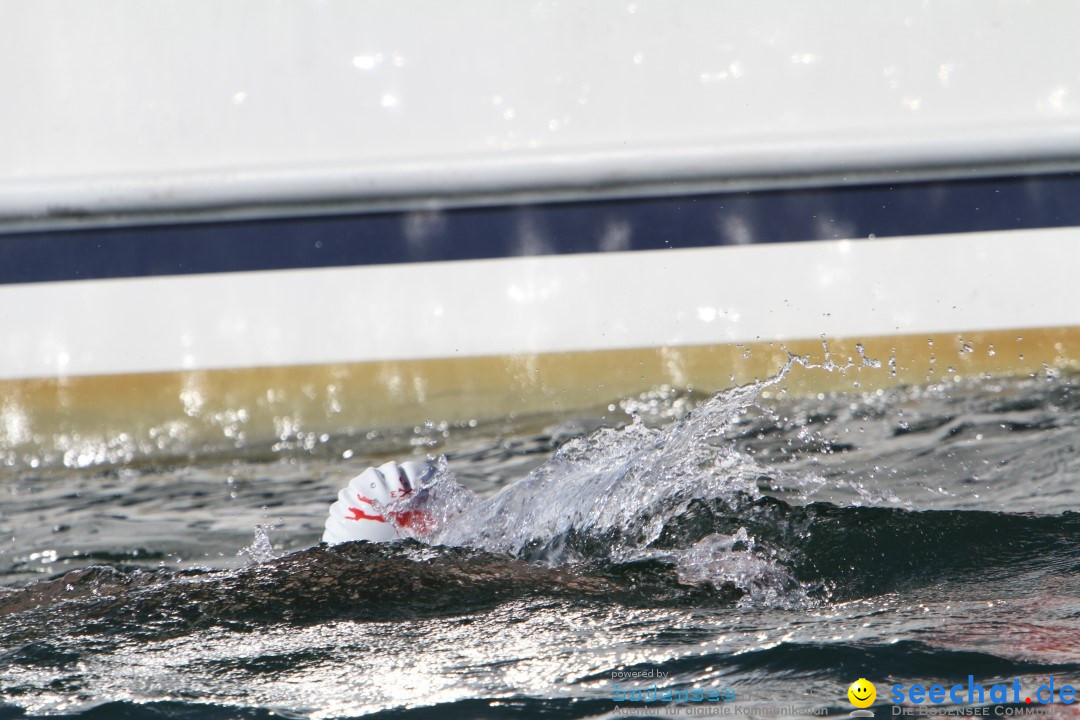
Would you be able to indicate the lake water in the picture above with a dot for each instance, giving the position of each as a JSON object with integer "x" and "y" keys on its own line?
{"x": 774, "y": 550}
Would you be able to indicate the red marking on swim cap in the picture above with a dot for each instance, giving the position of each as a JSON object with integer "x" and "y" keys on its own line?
{"x": 358, "y": 514}
{"x": 417, "y": 520}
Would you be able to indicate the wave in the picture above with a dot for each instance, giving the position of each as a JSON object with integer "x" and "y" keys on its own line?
{"x": 635, "y": 514}
{"x": 690, "y": 495}
{"x": 818, "y": 553}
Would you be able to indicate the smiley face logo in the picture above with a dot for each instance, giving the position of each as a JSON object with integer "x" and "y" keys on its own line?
{"x": 862, "y": 693}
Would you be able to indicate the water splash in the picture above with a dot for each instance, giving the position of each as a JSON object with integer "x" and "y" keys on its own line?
{"x": 719, "y": 559}
{"x": 261, "y": 548}
{"x": 624, "y": 495}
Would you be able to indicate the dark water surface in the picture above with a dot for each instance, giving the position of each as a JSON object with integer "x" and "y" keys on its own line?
{"x": 779, "y": 548}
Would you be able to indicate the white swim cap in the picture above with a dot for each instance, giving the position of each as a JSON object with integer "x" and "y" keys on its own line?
{"x": 359, "y": 512}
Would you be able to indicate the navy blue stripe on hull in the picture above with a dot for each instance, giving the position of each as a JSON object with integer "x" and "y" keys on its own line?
{"x": 1007, "y": 203}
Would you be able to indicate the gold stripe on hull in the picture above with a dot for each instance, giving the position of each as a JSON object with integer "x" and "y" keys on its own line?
{"x": 126, "y": 416}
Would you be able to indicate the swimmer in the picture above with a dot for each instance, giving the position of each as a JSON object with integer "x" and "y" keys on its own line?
{"x": 360, "y": 510}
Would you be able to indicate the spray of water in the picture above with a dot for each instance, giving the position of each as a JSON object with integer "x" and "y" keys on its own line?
{"x": 261, "y": 548}
{"x": 622, "y": 494}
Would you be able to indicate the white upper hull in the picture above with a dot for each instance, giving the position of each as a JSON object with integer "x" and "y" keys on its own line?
{"x": 135, "y": 107}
